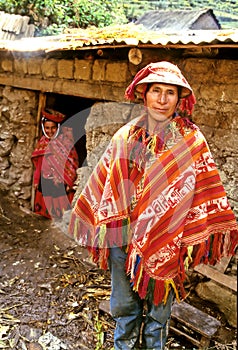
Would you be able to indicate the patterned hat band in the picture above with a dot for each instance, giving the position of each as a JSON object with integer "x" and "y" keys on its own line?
{"x": 52, "y": 115}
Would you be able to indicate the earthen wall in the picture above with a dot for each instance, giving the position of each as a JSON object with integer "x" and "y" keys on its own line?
{"x": 23, "y": 79}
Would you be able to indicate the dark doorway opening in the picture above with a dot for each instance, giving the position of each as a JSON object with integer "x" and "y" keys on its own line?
{"x": 76, "y": 110}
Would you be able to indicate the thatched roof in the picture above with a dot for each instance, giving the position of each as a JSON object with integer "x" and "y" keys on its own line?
{"x": 179, "y": 20}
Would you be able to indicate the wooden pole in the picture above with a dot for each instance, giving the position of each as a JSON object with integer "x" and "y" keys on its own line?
{"x": 41, "y": 105}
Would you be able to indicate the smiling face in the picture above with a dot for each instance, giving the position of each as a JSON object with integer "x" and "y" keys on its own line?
{"x": 161, "y": 101}
{"x": 50, "y": 128}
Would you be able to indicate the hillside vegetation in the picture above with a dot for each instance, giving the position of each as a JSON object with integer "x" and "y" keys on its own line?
{"x": 54, "y": 16}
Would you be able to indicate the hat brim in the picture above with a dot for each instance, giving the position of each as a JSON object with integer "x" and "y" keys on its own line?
{"x": 169, "y": 79}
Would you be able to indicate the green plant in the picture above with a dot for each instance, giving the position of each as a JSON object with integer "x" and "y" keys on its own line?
{"x": 99, "y": 13}
{"x": 99, "y": 333}
{"x": 53, "y": 16}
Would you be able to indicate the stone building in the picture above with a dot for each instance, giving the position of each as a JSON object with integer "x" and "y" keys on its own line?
{"x": 84, "y": 75}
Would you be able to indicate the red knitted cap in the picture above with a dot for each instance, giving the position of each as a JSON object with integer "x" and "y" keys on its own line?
{"x": 53, "y": 115}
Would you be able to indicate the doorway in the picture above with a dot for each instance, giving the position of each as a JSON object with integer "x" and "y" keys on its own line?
{"x": 76, "y": 110}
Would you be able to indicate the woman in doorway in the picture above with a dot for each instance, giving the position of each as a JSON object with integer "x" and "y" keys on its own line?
{"x": 55, "y": 161}
{"x": 153, "y": 207}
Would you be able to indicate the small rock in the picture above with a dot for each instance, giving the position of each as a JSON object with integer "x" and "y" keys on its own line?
{"x": 34, "y": 346}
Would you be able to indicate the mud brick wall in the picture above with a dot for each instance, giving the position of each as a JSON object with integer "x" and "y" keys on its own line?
{"x": 23, "y": 78}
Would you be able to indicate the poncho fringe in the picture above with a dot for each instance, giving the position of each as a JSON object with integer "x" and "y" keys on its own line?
{"x": 188, "y": 227}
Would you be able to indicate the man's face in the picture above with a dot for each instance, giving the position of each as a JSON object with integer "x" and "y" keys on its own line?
{"x": 161, "y": 101}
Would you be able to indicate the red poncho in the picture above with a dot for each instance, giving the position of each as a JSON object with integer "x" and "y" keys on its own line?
{"x": 162, "y": 197}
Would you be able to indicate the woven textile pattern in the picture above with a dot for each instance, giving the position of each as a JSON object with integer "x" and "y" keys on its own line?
{"x": 161, "y": 197}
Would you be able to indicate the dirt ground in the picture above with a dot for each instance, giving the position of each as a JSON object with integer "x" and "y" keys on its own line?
{"x": 50, "y": 292}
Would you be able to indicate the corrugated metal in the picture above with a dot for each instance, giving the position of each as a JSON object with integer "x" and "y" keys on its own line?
{"x": 15, "y": 27}
{"x": 125, "y": 35}
{"x": 179, "y": 19}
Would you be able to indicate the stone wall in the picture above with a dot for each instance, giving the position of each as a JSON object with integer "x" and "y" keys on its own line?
{"x": 216, "y": 113}
{"x": 105, "y": 79}
{"x": 17, "y": 134}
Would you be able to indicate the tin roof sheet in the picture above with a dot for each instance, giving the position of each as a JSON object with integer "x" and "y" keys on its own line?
{"x": 122, "y": 36}
{"x": 179, "y": 19}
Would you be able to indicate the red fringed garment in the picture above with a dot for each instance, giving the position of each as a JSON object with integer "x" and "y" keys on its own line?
{"x": 57, "y": 160}
{"x": 162, "y": 197}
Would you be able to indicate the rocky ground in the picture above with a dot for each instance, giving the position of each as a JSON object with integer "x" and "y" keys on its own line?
{"x": 50, "y": 292}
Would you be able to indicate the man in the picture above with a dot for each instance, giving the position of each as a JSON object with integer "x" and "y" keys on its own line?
{"x": 154, "y": 206}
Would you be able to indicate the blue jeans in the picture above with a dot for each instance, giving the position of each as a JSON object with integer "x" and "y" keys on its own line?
{"x": 127, "y": 310}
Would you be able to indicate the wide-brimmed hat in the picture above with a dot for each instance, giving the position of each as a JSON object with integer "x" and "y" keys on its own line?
{"x": 53, "y": 115}
{"x": 160, "y": 72}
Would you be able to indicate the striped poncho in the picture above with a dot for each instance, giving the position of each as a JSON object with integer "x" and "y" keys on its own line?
{"x": 161, "y": 197}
